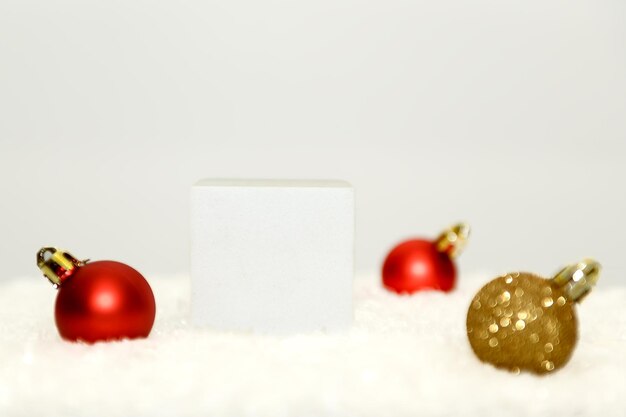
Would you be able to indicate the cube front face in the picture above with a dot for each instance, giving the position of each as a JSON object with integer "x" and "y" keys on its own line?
{"x": 272, "y": 256}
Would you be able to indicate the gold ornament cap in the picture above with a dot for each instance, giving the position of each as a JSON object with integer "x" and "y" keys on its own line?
{"x": 578, "y": 279}
{"x": 57, "y": 265}
{"x": 452, "y": 241}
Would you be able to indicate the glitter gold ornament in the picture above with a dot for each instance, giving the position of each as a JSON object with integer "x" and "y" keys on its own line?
{"x": 522, "y": 322}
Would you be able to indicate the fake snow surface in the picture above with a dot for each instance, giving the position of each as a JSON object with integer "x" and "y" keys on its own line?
{"x": 405, "y": 356}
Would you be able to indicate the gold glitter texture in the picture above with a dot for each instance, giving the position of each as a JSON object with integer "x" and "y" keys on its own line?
{"x": 521, "y": 321}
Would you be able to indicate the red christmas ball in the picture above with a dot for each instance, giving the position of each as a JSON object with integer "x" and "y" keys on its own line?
{"x": 419, "y": 264}
{"x": 104, "y": 300}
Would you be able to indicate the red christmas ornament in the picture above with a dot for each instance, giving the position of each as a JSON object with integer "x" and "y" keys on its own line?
{"x": 419, "y": 264}
{"x": 97, "y": 301}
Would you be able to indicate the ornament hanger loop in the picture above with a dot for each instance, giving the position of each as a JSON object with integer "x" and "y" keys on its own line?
{"x": 57, "y": 265}
{"x": 452, "y": 241}
{"x": 578, "y": 279}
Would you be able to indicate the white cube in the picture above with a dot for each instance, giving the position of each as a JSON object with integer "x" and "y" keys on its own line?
{"x": 272, "y": 256}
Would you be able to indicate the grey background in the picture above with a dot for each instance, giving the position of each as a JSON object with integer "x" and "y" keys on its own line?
{"x": 507, "y": 114}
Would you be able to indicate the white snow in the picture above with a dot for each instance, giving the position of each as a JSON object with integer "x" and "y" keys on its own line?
{"x": 404, "y": 356}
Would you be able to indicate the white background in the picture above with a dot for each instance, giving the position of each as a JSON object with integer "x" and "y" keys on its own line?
{"x": 507, "y": 114}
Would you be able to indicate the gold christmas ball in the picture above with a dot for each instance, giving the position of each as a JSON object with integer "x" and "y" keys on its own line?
{"x": 522, "y": 322}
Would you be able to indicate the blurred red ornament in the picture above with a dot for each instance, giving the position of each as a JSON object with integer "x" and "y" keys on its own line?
{"x": 98, "y": 301}
{"x": 419, "y": 264}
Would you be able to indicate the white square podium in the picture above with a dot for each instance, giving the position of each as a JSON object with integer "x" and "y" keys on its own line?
{"x": 272, "y": 256}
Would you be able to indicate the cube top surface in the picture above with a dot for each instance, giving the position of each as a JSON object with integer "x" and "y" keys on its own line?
{"x": 278, "y": 183}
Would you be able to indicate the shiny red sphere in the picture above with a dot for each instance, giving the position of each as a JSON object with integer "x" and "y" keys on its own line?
{"x": 417, "y": 265}
{"x": 104, "y": 300}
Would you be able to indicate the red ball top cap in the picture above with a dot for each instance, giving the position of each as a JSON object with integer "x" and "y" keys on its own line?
{"x": 452, "y": 241}
{"x": 57, "y": 265}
